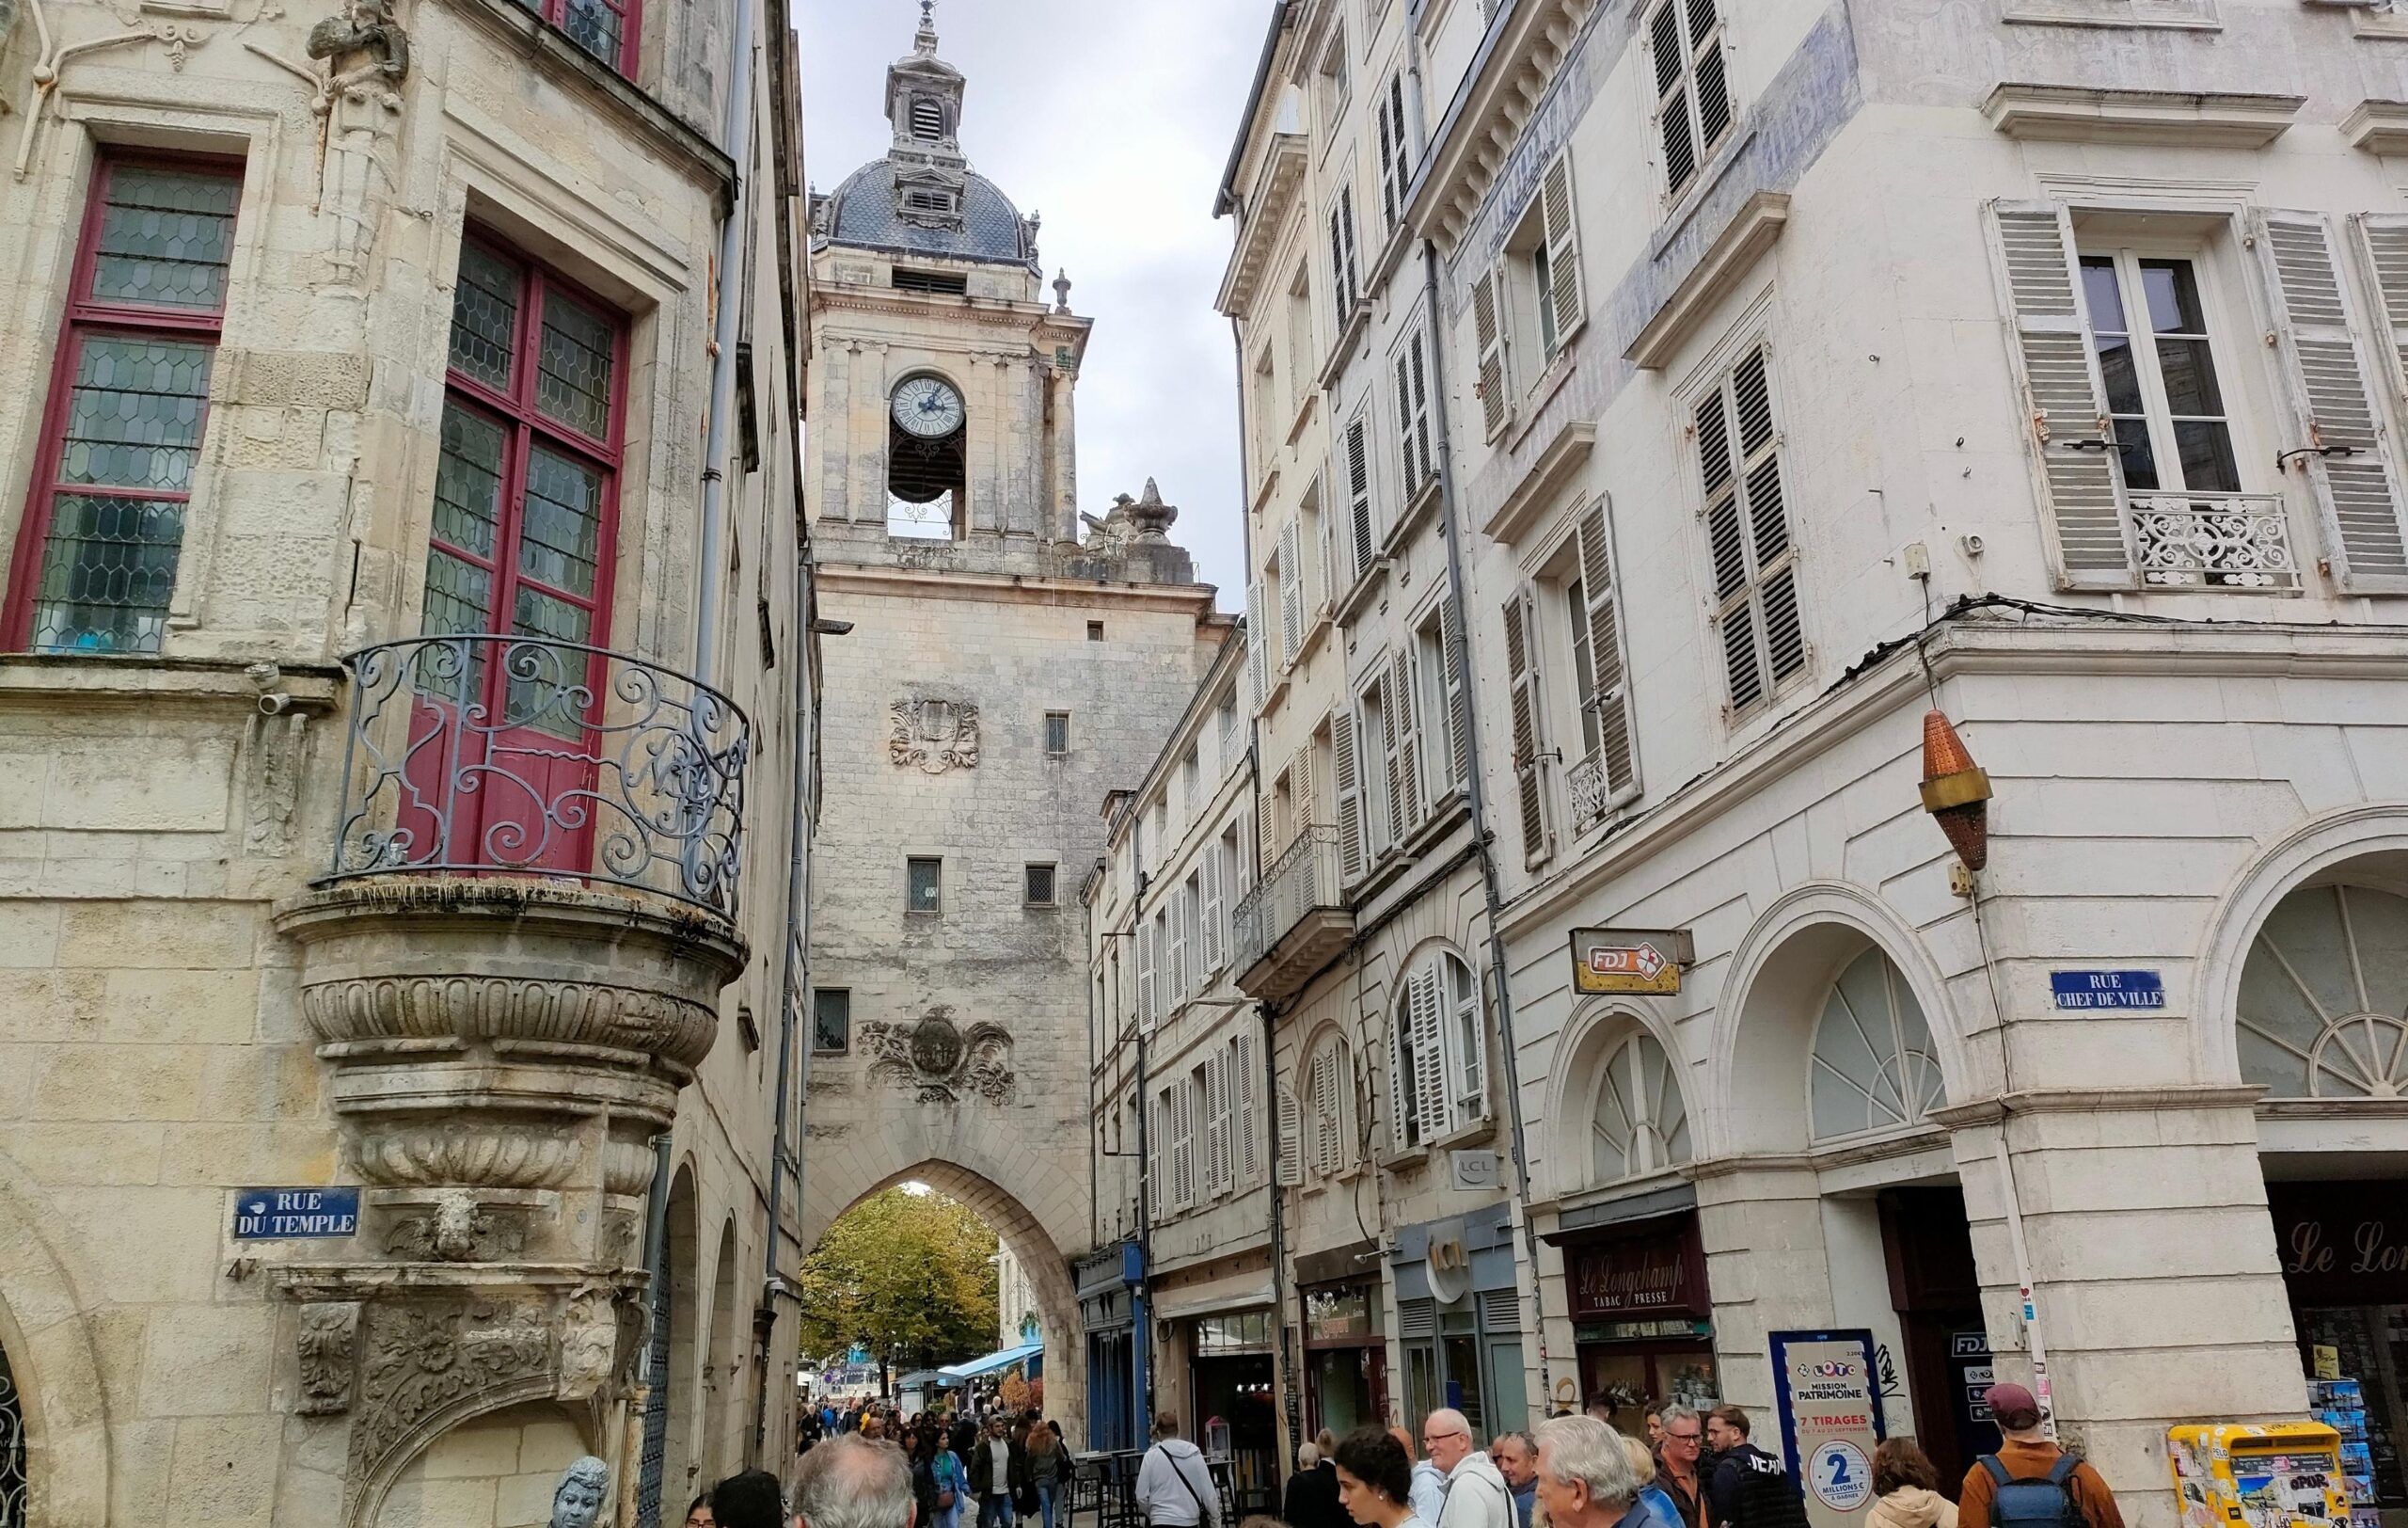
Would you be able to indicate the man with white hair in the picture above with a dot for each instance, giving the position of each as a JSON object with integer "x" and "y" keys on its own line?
{"x": 1477, "y": 1496}
{"x": 1585, "y": 1478}
{"x": 854, "y": 1482}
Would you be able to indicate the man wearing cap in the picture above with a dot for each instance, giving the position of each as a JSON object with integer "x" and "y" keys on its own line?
{"x": 2021, "y": 1470}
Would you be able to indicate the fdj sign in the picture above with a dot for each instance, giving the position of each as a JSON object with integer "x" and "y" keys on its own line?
{"x": 296, "y": 1213}
{"x": 1641, "y": 961}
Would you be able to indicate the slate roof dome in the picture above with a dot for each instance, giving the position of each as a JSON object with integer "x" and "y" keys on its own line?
{"x": 862, "y": 211}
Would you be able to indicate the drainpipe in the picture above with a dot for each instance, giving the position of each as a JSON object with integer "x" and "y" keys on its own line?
{"x": 1481, "y": 837}
{"x": 724, "y": 333}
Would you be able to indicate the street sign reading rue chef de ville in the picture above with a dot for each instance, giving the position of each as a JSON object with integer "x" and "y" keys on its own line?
{"x": 1648, "y": 962}
{"x": 2106, "y": 988}
{"x": 303, "y": 1213}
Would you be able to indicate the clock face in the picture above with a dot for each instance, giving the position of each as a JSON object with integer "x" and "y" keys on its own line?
{"x": 927, "y": 408}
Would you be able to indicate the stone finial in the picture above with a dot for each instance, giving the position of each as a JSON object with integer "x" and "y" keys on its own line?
{"x": 925, "y": 42}
{"x": 577, "y": 1500}
{"x": 1149, "y": 514}
{"x": 1061, "y": 291}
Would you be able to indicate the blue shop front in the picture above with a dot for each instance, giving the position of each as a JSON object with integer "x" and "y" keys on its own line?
{"x": 1111, "y": 1312}
{"x": 1459, "y": 1321}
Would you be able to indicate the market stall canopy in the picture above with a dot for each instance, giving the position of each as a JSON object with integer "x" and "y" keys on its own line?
{"x": 994, "y": 1362}
{"x": 929, "y": 1380}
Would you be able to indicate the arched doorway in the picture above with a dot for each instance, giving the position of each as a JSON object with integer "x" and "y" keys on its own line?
{"x": 496, "y": 1470}
{"x": 681, "y": 1460}
{"x": 721, "y": 1387}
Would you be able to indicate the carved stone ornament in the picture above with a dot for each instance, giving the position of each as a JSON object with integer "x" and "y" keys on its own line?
{"x": 588, "y": 1343}
{"x": 428, "y": 1363}
{"x": 327, "y": 1345}
{"x": 939, "y": 1062}
{"x": 457, "y": 1230}
{"x": 934, "y": 735}
{"x": 579, "y": 1499}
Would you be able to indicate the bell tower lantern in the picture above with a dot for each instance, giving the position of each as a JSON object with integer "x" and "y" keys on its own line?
{"x": 924, "y": 106}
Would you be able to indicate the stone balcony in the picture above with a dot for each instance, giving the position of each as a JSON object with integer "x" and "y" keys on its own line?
{"x": 509, "y": 968}
{"x": 1294, "y": 920}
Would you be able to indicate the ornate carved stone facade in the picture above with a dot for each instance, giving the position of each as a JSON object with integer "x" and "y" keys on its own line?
{"x": 934, "y": 735}
{"x": 940, "y": 1062}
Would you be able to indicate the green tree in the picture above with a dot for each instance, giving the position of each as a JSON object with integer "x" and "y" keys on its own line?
{"x": 914, "y": 1271}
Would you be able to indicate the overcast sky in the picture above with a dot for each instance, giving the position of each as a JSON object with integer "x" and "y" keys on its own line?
{"x": 1113, "y": 119}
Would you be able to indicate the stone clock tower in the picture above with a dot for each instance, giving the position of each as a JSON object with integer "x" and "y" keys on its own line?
{"x": 1010, "y": 660}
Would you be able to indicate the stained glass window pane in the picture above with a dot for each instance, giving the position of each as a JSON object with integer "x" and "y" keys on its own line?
{"x": 573, "y": 381}
{"x": 458, "y": 595}
{"x": 595, "y": 27}
{"x": 468, "y": 483}
{"x": 165, "y": 237}
{"x": 484, "y": 316}
{"x": 134, "y": 420}
{"x": 560, "y": 542}
{"x": 108, "y": 568}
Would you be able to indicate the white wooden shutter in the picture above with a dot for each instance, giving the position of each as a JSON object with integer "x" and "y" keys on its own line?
{"x": 1346, "y": 767}
{"x": 2080, "y": 477}
{"x": 1327, "y": 546}
{"x": 1248, "y": 1074}
{"x": 1354, "y": 259}
{"x": 2357, "y": 496}
{"x": 1291, "y": 589}
{"x": 1158, "y": 1160}
{"x": 1258, "y": 641}
{"x": 1358, "y": 496}
{"x": 1301, "y": 782}
{"x": 1291, "y": 1160}
{"x": 1408, "y": 733}
{"x": 1562, "y": 249}
{"x": 1213, "y": 893}
{"x": 1611, "y": 699}
{"x": 1430, "y": 1050}
{"x": 1341, "y": 298}
{"x": 1457, "y": 731}
{"x": 1413, "y": 412}
{"x": 1145, "y": 987}
{"x": 1173, "y": 983}
{"x": 1184, "y": 1139}
{"x": 1216, "y": 1090}
{"x": 1191, "y": 902}
{"x": 1396, "y": 163}
{"x": 1523, "y": 692}
{"x": 1392, "y": 735}
{"x": 1488, "y": 329}
{"x": 1327, "y": 1115}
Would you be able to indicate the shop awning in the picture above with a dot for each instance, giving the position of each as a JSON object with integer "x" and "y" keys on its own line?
{"x": 994, "y": 1362}
{"x": 1225, "y": 1301}
{"x": 927, "y": 1379}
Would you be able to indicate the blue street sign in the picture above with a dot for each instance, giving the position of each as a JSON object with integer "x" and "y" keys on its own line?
{"x": 2107, "y": 989}
{"x": 296, "y": 1213}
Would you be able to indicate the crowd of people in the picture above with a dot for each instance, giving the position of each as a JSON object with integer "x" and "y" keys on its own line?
{"x": 868, "y": 1469}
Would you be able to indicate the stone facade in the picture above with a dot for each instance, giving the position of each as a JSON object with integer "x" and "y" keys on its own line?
{"x": 1000, "y": 676}
{"x": 257, "y": 936}
{"x": 1754, "y": 438}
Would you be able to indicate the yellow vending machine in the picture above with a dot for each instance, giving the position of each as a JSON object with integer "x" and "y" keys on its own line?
{"x": 2281, "y": 1474}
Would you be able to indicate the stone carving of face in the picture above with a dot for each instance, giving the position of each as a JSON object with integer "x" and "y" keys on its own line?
{"x": 577, "y": 1501}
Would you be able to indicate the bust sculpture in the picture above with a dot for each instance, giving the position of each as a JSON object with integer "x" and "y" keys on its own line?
{"x": 577, "y": 1502}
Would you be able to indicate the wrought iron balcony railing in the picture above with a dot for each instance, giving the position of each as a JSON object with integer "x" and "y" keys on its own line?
{"x": 512, "y": 754}
{"x": 1305, "y": 879}
{"x": 2212, "y": 541}
{"x": 1585, "y": 782}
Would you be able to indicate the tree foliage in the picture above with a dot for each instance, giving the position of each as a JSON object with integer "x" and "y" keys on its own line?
{"x": 900, "y": 1268}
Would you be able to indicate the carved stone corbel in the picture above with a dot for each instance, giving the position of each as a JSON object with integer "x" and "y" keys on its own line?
{"x": 327, "y": 1344}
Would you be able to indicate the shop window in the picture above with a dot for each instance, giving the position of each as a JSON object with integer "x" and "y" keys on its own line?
{"x": 1639, "y": 1124}
{"x": 2323, "y": 1006}
{"x": 1873, "y": 1065}
{"x": 103, "y": 533}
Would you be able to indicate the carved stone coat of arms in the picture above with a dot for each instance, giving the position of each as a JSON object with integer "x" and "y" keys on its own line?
{"x": 939, "y": 1062}
{"x": 933, "y": 734}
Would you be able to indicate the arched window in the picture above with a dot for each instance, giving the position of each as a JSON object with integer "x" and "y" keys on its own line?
{"x": 1639, "y": 1124}
{"x": 1440, "y": 1080}
{"x": 1329, "y": 1108}
{"x": 13, "y": 1482}
{"x": 1873, "y": 1065}
{"x": 2323, "y": 1009}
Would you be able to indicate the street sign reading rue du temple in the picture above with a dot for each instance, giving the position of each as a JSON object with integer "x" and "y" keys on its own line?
{"x": 1639, "y": 960}
{"x": 296, "y": 1213}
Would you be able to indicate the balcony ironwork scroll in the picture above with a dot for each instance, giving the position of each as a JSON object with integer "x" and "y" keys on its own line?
{"x": 2212, "y": 541}
{"x": 1303, "y": 879}
{"x": 479, "y": 754}
{"x": 1590, "y": 796}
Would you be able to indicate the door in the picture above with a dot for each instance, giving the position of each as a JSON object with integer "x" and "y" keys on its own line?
{"x": 1937, "y": 1294}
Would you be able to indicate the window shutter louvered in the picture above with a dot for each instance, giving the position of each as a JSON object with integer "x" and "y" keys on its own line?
{"x": 1562, "y": 249}
{"x": 1345, "y": 767}
{"x": 1396, "y": 152}
{"x": 1393, "y": 733}
{"x": 1244, "y": 1070}
{"x": 1329, "y": 1139}
{"x": 1523, "y": 690}
{"x": 1358, "y": 496}
{"x": 2357, "y": 496}
{"x": 1258, "y": 641}
{"x": 1218, "y": 1082}
{"x": 1291, "y": 590}
{"x": 1157, "y": 1165}
{"x": 1339, "y": 297}
{"x": 1458, "y": 723}
{"x": 1292, "y": 1161}
{"x": 1146, "y": 955}
{"x": 2065, "y": 402}
{"x": 1610, "y": 700}
{"x": 1327, "y": 546}
{"x": 1183, "y": 1108}
{"x": 1429, "y": 1052}
{"x": 1354, "y": 259}
{"x": 1408, "y": 738}
{"x": 1212, "y": 915}
{"x": 1413, "y": 412}
{"x": 1755, "y": 589}
{"x": 1173, "y": 976}
{"x": 1301, "y": 778}
{"x": 1488, "y": 329}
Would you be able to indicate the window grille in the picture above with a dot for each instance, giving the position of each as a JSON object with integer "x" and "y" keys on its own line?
{"x": 1036, "y": 885}
{"x": 831, "y": 1021}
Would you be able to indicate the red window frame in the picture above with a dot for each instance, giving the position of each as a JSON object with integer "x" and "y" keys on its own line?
{"x": 524, "y": 423}
{"x": 629, "y": 13}
{"x": 87, "y": 317}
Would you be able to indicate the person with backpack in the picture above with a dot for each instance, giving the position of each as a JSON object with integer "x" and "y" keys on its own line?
{"x": 2030, "y": 1482}
{"x": 1749, "y": 1488}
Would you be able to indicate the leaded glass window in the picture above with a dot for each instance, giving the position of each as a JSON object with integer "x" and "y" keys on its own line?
{"x": 605, "y": 29}
{"x": 1639, "y": 1124}
{"x": 2323, "y": 1008}
{"x": 129, "y": 402}
{"x": 1875, "y": 1067}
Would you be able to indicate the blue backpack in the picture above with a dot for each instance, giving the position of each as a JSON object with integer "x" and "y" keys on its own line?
{"x": 2046, "y": 1503}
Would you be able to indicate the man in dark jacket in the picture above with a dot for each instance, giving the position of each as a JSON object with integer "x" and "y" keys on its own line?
{"x": 1749, "y": 1490}
{"x": 1311, "y": 1501}
{"x": 999, "y": 1473}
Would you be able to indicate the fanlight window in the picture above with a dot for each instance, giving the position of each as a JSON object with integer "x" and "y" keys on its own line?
{"x": 1639, "y": 1124}
{"x": 2323, "y": 1009}
{"x": 1874, "y": 1066}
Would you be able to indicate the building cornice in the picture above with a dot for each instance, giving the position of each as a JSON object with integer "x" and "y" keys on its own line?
{"x": 2178, "y": 1095}
{"x": 987, "y": 588}
{"x": 1525, "y": 49}
{"x": 1262, "y": 223}
{"x": 2088, "y": 114}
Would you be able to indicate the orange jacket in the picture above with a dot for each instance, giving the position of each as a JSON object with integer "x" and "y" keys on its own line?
{"x": 2032, "y": 1461}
